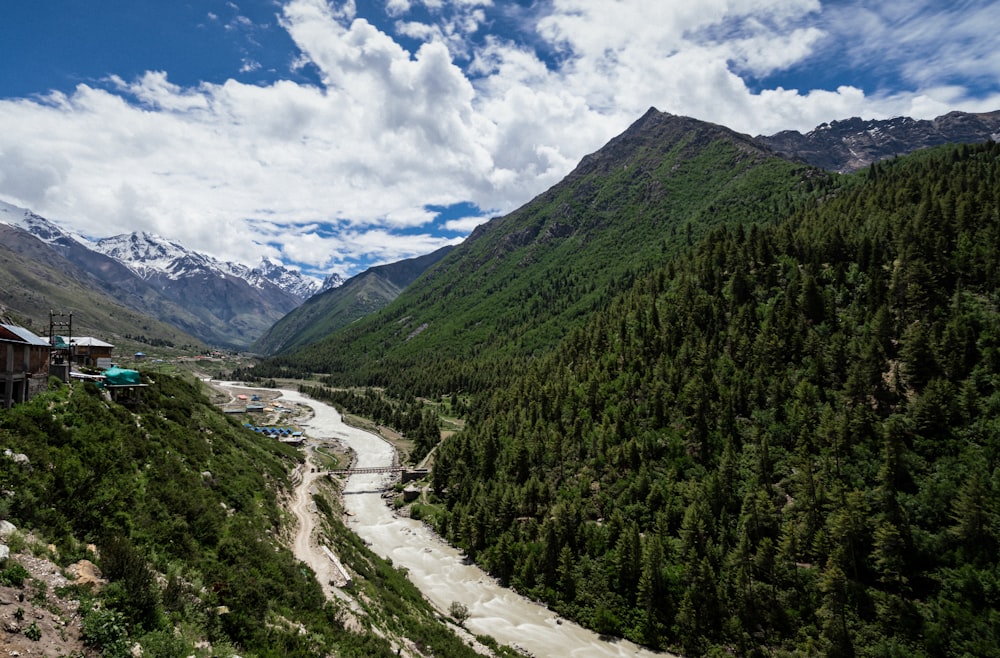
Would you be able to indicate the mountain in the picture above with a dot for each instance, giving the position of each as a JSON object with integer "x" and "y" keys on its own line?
{"x": 338, "y": 306}
{"x": 651, "y": 190}
{"x": 289, "y": 280}
{"x": 783, "y": 441}
{"x": 331, "y": 281}
{"x": 853, "y": 144}
{"x": 716, "y": 401}
{"x": 36, "y": 278}
{"x": 221, "y": 304}
{"x": 519, "y": 283}
{"x": 150, "y": 257}
{"x": 228, "y": 309}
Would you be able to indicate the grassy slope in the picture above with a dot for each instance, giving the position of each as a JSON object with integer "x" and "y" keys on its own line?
{"x": 520, "y": 282}
{"x": 183, "y": 505}
{"x": 359, "y": 296}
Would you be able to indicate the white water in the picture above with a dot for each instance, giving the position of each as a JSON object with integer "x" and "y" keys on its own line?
{"x": 436, "y": 568}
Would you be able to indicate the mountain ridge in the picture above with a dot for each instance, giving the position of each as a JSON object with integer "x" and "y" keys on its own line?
{"x": 241, "y": 303}
{"x": 851, "y": 144}
{"x": 338, "y": 306}
{"x": 36, "y": 278}
{"x": 519, "y": 282}
{"x": 222, "y": 304}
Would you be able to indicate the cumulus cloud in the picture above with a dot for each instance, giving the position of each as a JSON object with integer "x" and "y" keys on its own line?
{"x": 428, "y": 103}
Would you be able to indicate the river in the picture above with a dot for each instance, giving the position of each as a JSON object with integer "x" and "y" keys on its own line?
{"x": 437, "y": 568}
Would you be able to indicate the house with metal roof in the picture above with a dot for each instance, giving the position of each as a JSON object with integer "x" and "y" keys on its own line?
{"x": 24, "y": 365}
{"x": 90, "y": 351}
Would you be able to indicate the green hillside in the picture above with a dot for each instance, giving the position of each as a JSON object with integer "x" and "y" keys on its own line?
{"x": 519, "y": 283}
{"x": 184, "y": 507}
{"x": 785, "y": 442}
{"x": 361, "y": 295}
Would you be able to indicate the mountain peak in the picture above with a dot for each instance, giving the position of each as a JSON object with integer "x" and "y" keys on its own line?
{"x": 656, "y": 132}
{"x": 37, "y": 225}
{"x": 287, "y": 279}
{"x": 148, "y": 254}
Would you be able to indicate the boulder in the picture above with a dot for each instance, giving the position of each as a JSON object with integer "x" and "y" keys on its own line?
{"x": 86, "y": 573}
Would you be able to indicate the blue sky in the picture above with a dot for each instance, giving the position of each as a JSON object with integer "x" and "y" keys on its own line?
{"x": 336, "y": 135}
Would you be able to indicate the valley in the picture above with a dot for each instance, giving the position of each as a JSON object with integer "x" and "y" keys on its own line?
{"x": 440, "y": 571}
{"x": 699, "y": 396}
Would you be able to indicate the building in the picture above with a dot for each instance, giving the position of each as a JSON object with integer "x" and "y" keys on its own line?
{"x": 90, "y": 351}
{"x": 24, "y": 365}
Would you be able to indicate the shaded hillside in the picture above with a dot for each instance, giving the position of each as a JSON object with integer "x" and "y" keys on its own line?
{"x": 324, "y": 313}
{"x": 35, "y": 278}
{"x": 222, "y": 309}
{"x": 519, "y": 283}
{"x": 786, "y": 442}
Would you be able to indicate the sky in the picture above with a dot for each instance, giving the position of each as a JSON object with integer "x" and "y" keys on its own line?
{"x": 333, "y": 136}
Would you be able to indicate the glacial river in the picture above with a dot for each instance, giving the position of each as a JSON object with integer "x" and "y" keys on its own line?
{"x": 437, "y": 568}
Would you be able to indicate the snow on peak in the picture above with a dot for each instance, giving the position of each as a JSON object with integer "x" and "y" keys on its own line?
{"x": 37, "y": 225}
{"x": 148, "y": 254}
{"x": 286, "y": 278}
{"x": 11, "y": 214}
{"x": 333, "y": 280}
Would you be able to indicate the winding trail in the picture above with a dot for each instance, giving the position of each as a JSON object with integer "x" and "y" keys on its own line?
{"x": 436, "y": 568}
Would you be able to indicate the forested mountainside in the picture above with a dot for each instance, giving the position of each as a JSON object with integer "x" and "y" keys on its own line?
{"x": 337, "y": 307}
{"x": 183, "y": 505}
{"x": 516, "y": 286}
{"x": 785, "y": 441}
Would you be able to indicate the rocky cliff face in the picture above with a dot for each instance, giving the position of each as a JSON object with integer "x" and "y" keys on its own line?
{"x": 853, "y": 144}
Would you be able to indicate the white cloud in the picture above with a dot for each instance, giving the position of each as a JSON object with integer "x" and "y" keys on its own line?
{"x": 466, "y": 224}
{"x": 327, "y": 175}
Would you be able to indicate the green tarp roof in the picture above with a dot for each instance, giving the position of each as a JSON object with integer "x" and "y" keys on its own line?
{"x": 121, "y": 377}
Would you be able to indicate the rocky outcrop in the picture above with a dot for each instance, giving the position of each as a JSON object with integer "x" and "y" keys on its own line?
{"x": 855, "y": 143}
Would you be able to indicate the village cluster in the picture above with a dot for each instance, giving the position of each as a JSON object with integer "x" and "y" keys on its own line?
{"x": 28, "y": 360}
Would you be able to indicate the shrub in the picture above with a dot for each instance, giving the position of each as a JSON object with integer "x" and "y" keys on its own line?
{"x": 458, "y": 611}
{"x": 32, "y": 632}
{"x": 14, "y": 575}
{"x": 105, "y": 630}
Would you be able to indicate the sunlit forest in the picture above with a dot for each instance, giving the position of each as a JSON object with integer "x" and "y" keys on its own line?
{"x": 785, "y": 441}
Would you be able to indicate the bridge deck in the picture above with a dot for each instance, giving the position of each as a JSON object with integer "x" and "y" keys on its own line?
{"x": 371, "y": 469}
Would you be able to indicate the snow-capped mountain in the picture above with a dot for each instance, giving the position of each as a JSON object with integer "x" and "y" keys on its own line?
{"x": 333, "y": 280}
{"x": 150, "y": 255}
{"x": 147, "y": 254}
{"x": 291, "y": 280}
{"x": 38, "y": 226}
{"x": 221, "y": 303}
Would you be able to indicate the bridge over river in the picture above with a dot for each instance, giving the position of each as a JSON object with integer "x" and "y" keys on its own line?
{"x": 406, "y": 474}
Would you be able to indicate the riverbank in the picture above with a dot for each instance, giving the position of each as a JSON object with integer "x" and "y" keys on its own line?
{"x": 439, "y": 570}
